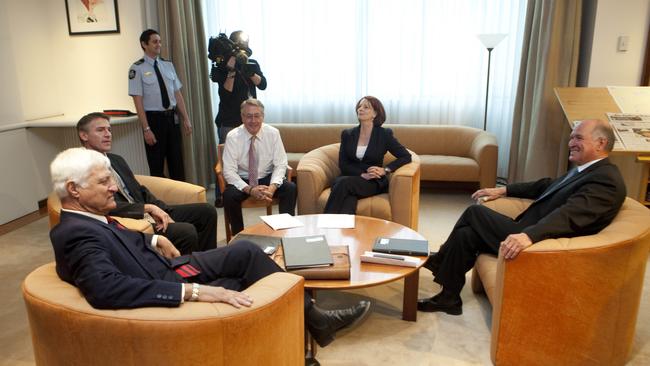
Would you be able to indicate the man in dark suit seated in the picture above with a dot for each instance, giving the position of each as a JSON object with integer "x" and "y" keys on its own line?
{"x": 117, "y": 268}
{"x": 190, "y": 227}
{"x": 581, "y": 202}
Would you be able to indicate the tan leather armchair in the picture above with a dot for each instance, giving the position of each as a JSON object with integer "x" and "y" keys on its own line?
{"x": 170, "y": 191}
{"x": 567, "y": 301}
{"x": 319, "y": 167}
{"x": 66, "y": 330}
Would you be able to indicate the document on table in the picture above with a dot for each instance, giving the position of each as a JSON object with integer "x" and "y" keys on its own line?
{"x": 281, "y": 221}
{"x": 335, "y": 221}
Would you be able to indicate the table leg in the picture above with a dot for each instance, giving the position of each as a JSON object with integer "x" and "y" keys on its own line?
{"x": 410, "y": 302}
{"x": 310, "y": 343}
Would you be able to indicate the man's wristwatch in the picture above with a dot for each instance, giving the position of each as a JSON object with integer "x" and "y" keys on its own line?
{"x": 387, "y": 170}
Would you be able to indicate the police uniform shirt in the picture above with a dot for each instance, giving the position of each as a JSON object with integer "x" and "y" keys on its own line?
{"x": 143, "y": 81}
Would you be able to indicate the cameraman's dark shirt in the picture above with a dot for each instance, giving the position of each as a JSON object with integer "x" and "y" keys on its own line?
{"x": 229, "y": 102}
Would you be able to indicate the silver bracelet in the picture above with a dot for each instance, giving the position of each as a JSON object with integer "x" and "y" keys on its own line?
{"x": 196, "y": 290}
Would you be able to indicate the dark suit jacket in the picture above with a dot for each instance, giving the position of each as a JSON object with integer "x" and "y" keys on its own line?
{"x": 583, "y": 205}
{"x": 381, "y": 141}
{"x": 140, "y": 193}
{"x": 114, "y": 268}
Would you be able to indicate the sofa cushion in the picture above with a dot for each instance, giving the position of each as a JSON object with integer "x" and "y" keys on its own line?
{"x": 293, "y": 158}
{"x": 448, "y": 168}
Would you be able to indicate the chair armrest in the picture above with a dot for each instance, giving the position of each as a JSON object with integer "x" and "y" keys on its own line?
{"x": 404, "y": 193}
{"x": 316, "y": 171}
{"x": 509, "y": 206}
{"x": 172, "y": 191}
{"x": 484, "y": 151}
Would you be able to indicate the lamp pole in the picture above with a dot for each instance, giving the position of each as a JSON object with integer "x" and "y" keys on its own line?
{"x": 487, "y": 89}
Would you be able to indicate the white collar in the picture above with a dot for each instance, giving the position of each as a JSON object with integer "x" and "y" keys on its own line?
{"x": 88, "y": 214}
{"x": 587, "y": 165}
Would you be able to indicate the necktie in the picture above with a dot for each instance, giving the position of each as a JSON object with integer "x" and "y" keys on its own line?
{"x": 252, "y": 164}
{"x": 112, "y": 221}
{"x": 187, "y": 270}
{"x": 161, "y": 84}
{"x": 121, "y": 187}
{"x": 572, "y": 173}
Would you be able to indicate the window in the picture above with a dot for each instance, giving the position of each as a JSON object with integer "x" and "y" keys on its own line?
{"x": 422, "y": 59}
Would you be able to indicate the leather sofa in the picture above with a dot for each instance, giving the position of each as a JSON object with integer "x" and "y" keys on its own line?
{"x": 168, "y": 190}
{"x": 318, "y": 169}
{"x": 66, "y": 330}
{"x": 567, "y": 301}
{"x": 447, "y": 153}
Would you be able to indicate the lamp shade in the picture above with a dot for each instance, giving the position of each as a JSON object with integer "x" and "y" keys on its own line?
{"x": 491, "y": 40}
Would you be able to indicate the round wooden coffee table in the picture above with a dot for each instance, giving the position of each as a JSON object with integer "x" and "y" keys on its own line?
{"x": 359, "y": 240}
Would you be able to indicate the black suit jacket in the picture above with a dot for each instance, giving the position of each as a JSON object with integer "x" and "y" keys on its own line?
{"x": 381, "y": 141}
{"x": 114, "y": 268}
{"x": 583, "y": 205}
{"x": 140, "y": 193}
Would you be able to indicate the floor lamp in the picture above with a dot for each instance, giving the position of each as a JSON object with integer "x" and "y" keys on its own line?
{"x": 489, "y": 41}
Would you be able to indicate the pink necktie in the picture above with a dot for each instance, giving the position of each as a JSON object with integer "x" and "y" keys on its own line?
{"x": 252, "y": 164}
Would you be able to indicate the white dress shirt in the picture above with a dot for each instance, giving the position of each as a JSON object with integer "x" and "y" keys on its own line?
{"x": 271, "y": 157}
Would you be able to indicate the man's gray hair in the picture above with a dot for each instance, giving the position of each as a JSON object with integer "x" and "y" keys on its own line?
{"x": 253, "y": 102}
{"x": 604, "y": 130}
{"x": 74, "y": 165}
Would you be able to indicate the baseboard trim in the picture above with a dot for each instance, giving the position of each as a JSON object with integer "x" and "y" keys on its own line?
{"x": 24, "y": 220}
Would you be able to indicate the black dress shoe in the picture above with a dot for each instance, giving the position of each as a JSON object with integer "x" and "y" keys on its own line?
{"x": 436, "y": 303}
{"x": 310, "y": 361}
{"x": 323, "y": 324}
{"x": 431, "y": 264}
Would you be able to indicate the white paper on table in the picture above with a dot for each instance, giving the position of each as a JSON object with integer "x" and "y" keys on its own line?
{"x": 281, "y": 221}
{"x": 335, "y": 221}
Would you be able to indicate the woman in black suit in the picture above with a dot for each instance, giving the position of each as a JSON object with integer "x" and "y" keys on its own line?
{"x": 361, "y": 158}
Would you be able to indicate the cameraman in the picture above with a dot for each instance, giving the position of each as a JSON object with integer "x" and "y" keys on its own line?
{"x": 236, "y": 84}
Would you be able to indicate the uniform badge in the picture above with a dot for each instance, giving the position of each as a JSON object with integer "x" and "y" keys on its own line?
{"x": 131, "y": 74}
{"x": 147, "y": 73}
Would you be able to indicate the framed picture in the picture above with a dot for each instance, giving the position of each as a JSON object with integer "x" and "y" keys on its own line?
{"x": 92, "y": 16}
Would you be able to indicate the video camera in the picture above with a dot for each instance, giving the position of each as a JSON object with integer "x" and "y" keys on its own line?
{"x": 221, "y": 48}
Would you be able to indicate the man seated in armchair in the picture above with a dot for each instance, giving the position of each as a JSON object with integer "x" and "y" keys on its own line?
{"x": 581, "y": 202}
{"x": 117, "y": 268}
{"x": 190, "y": 227}
{"x": 255, "y": 165}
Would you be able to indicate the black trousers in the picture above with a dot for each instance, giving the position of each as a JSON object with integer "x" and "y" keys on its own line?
{"x": 479, "y": 230}
{"x": 346, "y": 192}
{"x": 236, "y": 267}
{"x": 233, "y": 197}
{"x": 194, "y": 229}
{"x": 169, "y": 145}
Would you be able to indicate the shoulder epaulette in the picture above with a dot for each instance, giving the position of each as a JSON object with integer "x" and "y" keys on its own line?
{"x": 162, "y": 59}
{"x": 140, "y": 61}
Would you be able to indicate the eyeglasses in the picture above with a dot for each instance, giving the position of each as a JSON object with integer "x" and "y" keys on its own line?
{"x": 255, "y": 116}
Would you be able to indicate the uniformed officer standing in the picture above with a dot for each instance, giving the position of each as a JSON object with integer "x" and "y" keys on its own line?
{"x": 155, "y": 89}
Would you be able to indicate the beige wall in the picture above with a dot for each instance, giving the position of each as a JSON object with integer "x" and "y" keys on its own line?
{"x": 616, "y": 18}
{"x": 45, "y": 71}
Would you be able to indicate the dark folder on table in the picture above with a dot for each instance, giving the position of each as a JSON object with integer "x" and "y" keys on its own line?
{"x": 306, "y": 251}
{"x": 401, "y": 246}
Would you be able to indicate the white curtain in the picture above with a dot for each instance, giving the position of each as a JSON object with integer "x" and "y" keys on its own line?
{"x": 421, "y": 58}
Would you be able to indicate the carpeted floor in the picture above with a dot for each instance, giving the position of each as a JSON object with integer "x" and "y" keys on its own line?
{"x": 383, "y": 339}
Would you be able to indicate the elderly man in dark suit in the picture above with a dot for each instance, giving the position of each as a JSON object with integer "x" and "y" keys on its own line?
{"x": 581, "y": 202}
{"x": 190, "y": 227}
{"x": 117, "y": 268}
